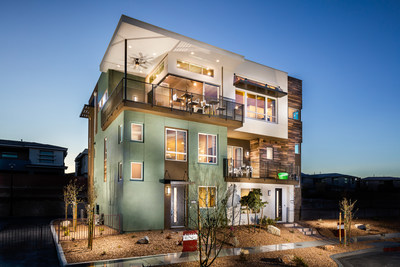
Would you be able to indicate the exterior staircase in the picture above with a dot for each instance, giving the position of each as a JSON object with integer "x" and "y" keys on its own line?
{"x": 301, "y": 229}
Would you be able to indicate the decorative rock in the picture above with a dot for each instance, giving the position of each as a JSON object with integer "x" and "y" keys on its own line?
{"x": 144, "y": 240}
{"x": 327, "y": 247}
{"x": 65, "y": 223}
{"x": 235, "y": 242}
{"x": 273, "y": 230}
{"x": 287, "y": 259}
{"x": 361, "y": 226}
{"x": 180, "y": 242}
{"x": 168, "y": 236}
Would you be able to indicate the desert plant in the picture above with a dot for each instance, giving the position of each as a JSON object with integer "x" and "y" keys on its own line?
{"x": 347, "y": 207}
{"x": 268, "y": 221}
{"x": 298, "y": 261}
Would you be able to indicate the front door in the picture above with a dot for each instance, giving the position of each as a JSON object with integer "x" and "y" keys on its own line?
{"x": 178, "y": 206}
{"x": 278, "y": 204}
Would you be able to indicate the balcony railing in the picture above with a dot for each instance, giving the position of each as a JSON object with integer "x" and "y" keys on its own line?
{"x": 263, "y": 169}
{"x": 173, "y": 99}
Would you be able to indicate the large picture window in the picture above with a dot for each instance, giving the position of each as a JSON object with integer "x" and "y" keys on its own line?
{"x": 175, "y": 144}
{"x": 255, "y": 106}
{"x": 207, "y": 148}
{"x": 207, "y": 196}
{"x": 258, "y": 107}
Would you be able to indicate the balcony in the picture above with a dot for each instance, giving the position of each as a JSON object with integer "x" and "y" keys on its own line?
{"x": 135, "y": 95}
{"x": 262, "y": 171}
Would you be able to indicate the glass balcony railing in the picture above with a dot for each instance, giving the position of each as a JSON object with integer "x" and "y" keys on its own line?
{"x": 173, "y": 99}
{"x": 264, "y": 169}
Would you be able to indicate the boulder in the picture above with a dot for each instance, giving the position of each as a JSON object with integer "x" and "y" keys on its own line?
{"x": 274, "y": 230}
{"x": 327, "y": 247}
{"x": 144, "y": 240}
{"x": 361, "y": 226}
{"x": 65, "y": 223}
{"x": 287, "y": 259}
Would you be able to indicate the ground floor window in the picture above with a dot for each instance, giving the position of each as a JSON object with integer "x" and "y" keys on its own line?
{"x": 207, "y": 196}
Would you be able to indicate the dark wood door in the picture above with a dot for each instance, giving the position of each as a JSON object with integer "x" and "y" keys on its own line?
{"x": 278, "y": 204}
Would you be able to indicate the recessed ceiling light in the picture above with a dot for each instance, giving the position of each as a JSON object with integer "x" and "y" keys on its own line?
{"x": 119, "y": 66}
{"x": 178, "y": 65}
{"x": 129, "y": 46}
{"x": 209, "y": 73}
{"x": 140, "y": 71}
{"x": 194, "y": 83}
{"x": 154, "y": 54}
{"x": 192, "y": 53}
{"x": 217, "y": 60}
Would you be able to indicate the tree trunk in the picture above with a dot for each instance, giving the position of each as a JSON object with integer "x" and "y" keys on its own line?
{"x": 261, "y": 217}
{"x": 90, "y": 227}
{"x": 248, "y": 217}
{"x": 74, "y": 215}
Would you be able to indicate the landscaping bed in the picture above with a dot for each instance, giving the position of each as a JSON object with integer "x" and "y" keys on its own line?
{"x": 124, "y": 245}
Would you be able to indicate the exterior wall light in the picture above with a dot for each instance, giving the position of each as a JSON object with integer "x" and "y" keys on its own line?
{"x": 168, "y": 190}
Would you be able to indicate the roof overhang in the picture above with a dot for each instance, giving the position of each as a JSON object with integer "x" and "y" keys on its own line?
{"x": 257, "y": 87}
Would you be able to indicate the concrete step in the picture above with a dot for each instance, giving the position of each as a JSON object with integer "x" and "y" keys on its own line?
{"x": 290, "y": 225}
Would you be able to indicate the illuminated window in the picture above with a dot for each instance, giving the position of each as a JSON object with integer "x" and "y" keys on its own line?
{"x": 105, "y": 159}
{"x": 207, "y": 148}
{"x": 271, "y": 110}
{"x": 207, "y": 196}
{"x": 175, "y": 144}
{"x": 256, "y": 106}
{"x": 137, "y": 132}
{"x": 239, "y": 97}
{"x": 137, "y": 171}
{"x": 294, "y": 114}
{"x": 156, "y": 72}
{"x": 297, "y": 148}
{"x": 120, "y": 134}
{"x": 235, "y": 156}
{"x": 184, "y": 65}
{"x": 270, "y": 153}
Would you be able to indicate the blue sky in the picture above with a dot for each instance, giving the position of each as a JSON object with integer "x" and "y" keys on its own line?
{"x": 346, "y": 52}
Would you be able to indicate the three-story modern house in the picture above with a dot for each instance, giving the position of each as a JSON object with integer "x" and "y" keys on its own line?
{"x": 174, "y": 122}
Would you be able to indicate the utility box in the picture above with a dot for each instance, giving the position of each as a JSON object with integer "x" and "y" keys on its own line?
{"x": 189, "y": 241}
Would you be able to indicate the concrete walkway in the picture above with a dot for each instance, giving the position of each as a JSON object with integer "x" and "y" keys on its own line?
{"x": 180, "y": 257}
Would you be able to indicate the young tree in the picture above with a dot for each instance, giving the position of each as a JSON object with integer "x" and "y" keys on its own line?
{"x": 258, "y": 204}
{"x": 90, "y": 215}
{"x": 347, "y": 207}
{"x": 71, "y": 194}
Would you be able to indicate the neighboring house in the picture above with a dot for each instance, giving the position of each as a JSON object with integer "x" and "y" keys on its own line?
{"x": 32, "y": 158}
{"x": 32, "y": 177}
{"x": 324, "y": 182}
{"x": 381, "y": 183}
{"x": 174, "y": 122}
{"x": 81, "y": 164}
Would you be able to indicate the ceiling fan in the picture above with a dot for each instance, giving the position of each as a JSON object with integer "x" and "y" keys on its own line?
{"x": 140, "y": 61}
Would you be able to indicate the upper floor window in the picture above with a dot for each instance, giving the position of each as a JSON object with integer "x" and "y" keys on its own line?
{"x": 175, "y": 144}
{"x": 103, "y": 99}
{"x": 294, "y": 113}
{"x": 297, "y": 148}
{"x": 257, "y": 106}
{"x": 46, "y": 156}
{"x": 270, "y": 153}
{"x": 137, "y": 132}
{"x": 9, "y": 155}
{"x": 137, "y": 171}
{"x": 120, "y": 133}
{"x": 184, "y": 65}
{"x": 156, "y": 72}
{"x": 235, "y": 156}
{"x": 207, "y": 148}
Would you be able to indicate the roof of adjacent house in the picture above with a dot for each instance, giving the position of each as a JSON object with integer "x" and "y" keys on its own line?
{"x": 327, "y": 175}
{"x": 387, "y": 178}
{"x": 12, "y": 143}
{"x": 83, "y": 153}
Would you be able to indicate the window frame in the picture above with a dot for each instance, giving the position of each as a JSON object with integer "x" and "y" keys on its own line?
{"x": 272, "y": 152}
{"x": 142, "y": 132}
{"x": 298, "y": 150}
{"x": 176, "y": 143}
{"x": 103, "y": 99}
{"x": 141, "y": 171}
{"x": 206, "y": 155}
{"x": 47, "y": 157}
{"x": 120, "y": 171}
{"x": 215, "y": 200}
{"x": 120, "y": 133}
{"x": 290, "y": 114}
{"x": 265, "y": 105}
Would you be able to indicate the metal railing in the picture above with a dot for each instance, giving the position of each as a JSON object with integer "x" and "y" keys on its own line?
{"x": 105, "y": 225}
{"x": 174, "y": 99}
{"x": 259, "y": 169}
{"x": 25, "y": 236}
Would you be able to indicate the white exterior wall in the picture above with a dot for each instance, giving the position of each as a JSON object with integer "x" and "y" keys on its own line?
{"x": 269, "y": 210}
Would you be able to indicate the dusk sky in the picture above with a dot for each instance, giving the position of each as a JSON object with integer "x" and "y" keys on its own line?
{"x": 346, "y": 52}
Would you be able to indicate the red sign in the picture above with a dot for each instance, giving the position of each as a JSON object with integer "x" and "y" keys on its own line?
{"x": 189, "y": 241}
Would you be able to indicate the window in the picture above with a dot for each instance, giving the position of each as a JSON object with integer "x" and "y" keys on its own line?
{"x": 156, "y": 72}
{"x": 294, "y": 113}
{"x": 105, "y": 159}
{"x": 207, "y": 196}
{"x": 103, "y": 99}
{"x": 120, "y": 171}
{"x": 175, "y": 144}
{"x": 207, "y": 148}
{"x": 184, "y": 65}
{"x": 137, "y": 132}
{"x": 255, "y": 106}
{"x": 137, "y": 171}
{"x": 210, "y": 91}
{"x": 270, "y": 153}
{"x": 46, "y": 156}
{"x": 297, "y": 148}
{"x": 120, "y": 133}
{"x": 9, "y": 155}
{"x": 239, "y": 97}
{"x": 235, "y": 156}
{"x": 271, "y": 110}
{"x": 245, "y": 192}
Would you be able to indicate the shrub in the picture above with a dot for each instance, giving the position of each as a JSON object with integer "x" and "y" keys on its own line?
{"x": 66, "y": 233}
{"x": 268, "y": 221}
{"x": 298, "y": 261}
